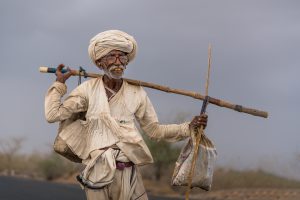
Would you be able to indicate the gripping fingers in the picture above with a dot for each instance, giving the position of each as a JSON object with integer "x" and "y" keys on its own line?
{"x": 68, "y": 74}
{"x": 199, "y": 121}
{"x": 59, "y": 68}
{"x": 58, "y": 72}
{"x": 62, "y": 77}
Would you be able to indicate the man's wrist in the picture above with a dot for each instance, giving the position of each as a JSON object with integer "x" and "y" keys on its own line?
{"x": 186, "y": 129}
{"x": 61, "y": 81}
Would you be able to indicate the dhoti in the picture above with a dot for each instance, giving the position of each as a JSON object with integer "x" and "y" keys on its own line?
{"x": 127, "y": 185}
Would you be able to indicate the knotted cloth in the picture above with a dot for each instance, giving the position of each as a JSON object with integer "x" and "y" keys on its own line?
{"x": 106, "y": 41}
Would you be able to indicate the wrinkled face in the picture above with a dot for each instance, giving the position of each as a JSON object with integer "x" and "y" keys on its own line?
{"x": 114, "y": 64}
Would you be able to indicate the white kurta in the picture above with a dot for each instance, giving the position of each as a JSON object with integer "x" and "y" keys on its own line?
{"x": 108, "y": 123}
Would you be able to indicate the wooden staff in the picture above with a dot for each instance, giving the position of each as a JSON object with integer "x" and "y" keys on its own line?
{"x": 200, "y": 130}
{"x": 195, "y": 95}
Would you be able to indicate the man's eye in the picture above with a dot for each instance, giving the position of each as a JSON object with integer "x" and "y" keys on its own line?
{"x": 110, "y": 57}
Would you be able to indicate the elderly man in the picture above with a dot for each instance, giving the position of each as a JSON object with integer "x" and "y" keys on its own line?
{"x": 108, "y": 141}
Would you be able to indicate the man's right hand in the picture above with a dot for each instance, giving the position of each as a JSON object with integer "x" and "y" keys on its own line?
{"x": 62, "y": 77}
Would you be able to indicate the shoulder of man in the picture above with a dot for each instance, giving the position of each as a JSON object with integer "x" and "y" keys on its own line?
{"x": 136, "y": 89}
{"x": 90, "y": 82}
{"x": 85, "y": 87}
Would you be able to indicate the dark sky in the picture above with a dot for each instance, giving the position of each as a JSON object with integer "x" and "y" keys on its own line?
{"x": 255, "y": 63}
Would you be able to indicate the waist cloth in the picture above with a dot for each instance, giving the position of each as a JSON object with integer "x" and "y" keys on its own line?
{"x": 101, "y": 165}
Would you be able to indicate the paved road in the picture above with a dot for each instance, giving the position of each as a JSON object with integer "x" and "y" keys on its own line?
{"x": 23, "y": 189}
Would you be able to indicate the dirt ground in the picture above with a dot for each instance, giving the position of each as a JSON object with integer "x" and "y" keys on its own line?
{"x": 228, "y": 194}
{"x": 250, "y": 194}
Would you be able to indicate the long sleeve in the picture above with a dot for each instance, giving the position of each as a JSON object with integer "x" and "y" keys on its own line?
{"x": 147, "y": 118}
{"x": 55, "y": 110}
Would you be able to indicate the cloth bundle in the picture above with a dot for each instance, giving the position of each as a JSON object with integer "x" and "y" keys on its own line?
{"x": 60, "y": 146}
{"x": 204, "y": 166}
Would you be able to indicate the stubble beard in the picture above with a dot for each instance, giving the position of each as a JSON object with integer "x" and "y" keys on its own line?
{"x": 110, "y": 72}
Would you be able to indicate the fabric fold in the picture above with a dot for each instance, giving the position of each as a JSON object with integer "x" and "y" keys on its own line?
{"x": 99, "y": 130}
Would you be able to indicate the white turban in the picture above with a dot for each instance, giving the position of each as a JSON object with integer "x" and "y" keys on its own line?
{"x": 106, "y": 41}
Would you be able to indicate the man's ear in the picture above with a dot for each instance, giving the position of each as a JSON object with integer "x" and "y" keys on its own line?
{"x": 99, "y": 64}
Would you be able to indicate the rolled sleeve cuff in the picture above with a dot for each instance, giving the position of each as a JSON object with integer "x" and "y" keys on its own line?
{"x": 186, "y": 129}
{"x": 60, "y": 87}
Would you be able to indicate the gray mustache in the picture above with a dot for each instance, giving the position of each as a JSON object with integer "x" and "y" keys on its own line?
{"x": 117, "y": 66}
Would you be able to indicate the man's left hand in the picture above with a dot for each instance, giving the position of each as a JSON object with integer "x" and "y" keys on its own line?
{"x": 199, "y": 121}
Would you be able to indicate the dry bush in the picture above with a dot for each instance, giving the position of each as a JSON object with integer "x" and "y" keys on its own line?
{"x": 227, "y": 179}
{"x": 35, "y": 165}
{"x": 10, "y": 156}
{"x": 54, "y": 166}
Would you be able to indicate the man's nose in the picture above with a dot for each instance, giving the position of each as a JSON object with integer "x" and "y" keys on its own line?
{"x": 118, "y": 62}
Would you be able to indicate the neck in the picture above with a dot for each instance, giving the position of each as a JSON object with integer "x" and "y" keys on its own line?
{"x": 112, "y": 83}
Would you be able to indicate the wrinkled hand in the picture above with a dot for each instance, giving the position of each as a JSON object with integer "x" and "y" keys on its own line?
{"x": 199, "y": 121}
{"x": 62, "y": 77}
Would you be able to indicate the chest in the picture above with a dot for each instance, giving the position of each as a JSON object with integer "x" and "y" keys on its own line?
{"x": 124, "y": 105}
